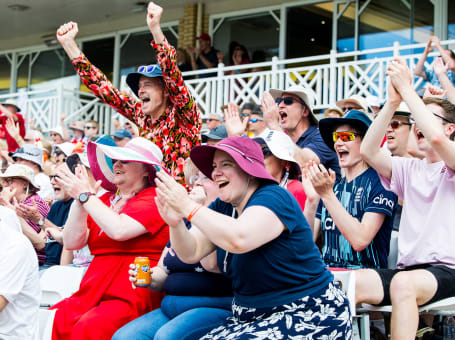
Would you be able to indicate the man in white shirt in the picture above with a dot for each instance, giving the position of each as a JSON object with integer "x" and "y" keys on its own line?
{"x": 19, "y": 281}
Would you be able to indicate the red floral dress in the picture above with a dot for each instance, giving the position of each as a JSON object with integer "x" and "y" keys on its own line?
{"x": 106, "y": 300}
{"x": 178, "y": 128}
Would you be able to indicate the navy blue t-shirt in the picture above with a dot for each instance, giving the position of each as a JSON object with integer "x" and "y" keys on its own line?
{"x": 212, "y": 57}
{"x": 283, "y": 270}
{"x": 364, "y": 193}
{"x": 57, "y": 214}
{"x": 312, "y": 140}
{"x": 192, "y": 279}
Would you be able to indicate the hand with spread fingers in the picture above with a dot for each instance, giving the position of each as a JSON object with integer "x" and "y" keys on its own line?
{"x": 76, "y": 184}
{"x": 234, "y": 125}
{"x": 322, "y": 179}
{"x": 270, "y": 111}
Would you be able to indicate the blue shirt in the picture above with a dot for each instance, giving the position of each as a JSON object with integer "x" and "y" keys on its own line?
{"x": 312, "y": 140}
{"x": 57, "y": 215}
{"x": 192, "y": 279}
{"x": 282, "y": 270}
{"x": 433, "y": 78}
{"x": 364, "y": 193}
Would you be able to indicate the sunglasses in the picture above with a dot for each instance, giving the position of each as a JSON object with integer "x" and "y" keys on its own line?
{"x": 443, "y": 118}
{"x": 287, "y": 101}
{"x": 395, "y": 124}
{"x": 349, "y": 108}
{"x": 345, "y": 136}
{"x": 53, "y": 177}
{"x": 89, "y": 127}
{"x": 255, "y": 120}
{"x": 146, "y": 68}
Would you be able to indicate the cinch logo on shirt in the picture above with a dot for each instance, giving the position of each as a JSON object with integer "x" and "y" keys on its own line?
{"x": 328, "y": 224}
{"x": 383, "y": 200}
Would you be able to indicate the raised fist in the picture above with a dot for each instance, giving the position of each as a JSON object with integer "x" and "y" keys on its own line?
{"x": 153, "y": 15}
{"x": 67, "y": 32}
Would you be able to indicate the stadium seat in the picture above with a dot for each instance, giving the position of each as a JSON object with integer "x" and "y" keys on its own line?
{"x": 46, "y": 320}
{"x": 58, "y": 283}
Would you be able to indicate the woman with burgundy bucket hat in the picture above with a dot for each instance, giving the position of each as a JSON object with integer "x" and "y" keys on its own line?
{"x": 118, "y": 226}
{"x": 264, "y": 245}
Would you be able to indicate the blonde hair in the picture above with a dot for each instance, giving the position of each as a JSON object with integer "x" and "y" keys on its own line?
{"x": 189, "y": 170}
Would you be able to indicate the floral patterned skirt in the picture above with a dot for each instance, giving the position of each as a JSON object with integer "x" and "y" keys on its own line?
{"x": 321, "y": 316}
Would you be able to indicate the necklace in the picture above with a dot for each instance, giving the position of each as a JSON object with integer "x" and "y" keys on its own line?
{"x": 227, "y": 253}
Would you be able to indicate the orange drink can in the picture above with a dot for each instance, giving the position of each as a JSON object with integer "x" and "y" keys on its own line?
{"x": 143, "y": 271}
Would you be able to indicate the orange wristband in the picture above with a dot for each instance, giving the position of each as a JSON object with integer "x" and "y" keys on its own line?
{"x": 193, "y": 212}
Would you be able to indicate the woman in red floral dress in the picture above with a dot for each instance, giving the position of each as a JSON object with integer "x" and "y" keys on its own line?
{"x": 118, "y": 226}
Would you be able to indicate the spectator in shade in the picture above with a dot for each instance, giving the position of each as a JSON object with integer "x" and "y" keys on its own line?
{"x": 19, "y": 282}
{"x": 213, "y": 120}
{"x": 356, "y": 212}
{"x": 271, "y": 269}
{"x": 32, "y": 156}
{"x": 354, "y": 102}
{"x": 19, "y": 188}
{"x": 291, "y": 110}
{"x": 333, "y": 112}
{"x": 10, "y": 111}
{"x": 426, "y": 260}
{"x": 448, "y": 56}
{"x": 205, "y": 56}
{"x": 91, "y": 130}
{"x": 121, "y": 137}
{"x": 166, "y": 112}
{"x": 215, "y": 135}
{"x": 56, "y": 135}
{"x": 239, "y": 56}
{"x": 78, "y": 130}
{"x": 183, "y": 61}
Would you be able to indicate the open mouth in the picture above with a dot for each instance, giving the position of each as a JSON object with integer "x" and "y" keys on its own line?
{"x": 283, "y": 115}
{"x": 342, "y": 154}
{"x": 222, "y": 184}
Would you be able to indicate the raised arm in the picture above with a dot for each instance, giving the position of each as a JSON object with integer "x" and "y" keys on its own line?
{"x": 179, "y": 94}
{"x": 441, "y": 72}
{"x": 370, "y": 149}
{"x": 400, "y": 75}
{"x": 419, "y": 69}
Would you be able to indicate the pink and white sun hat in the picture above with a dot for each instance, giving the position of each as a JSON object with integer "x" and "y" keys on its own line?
{"x": 138, "y": 150}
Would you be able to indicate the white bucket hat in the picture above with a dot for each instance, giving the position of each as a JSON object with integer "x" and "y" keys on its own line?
{"x": 12, "y": 102}
{"x": 282, "y": 147}
{"x": 305, "y": 94}
{"x": 359, "y": 100}
{"x": 30, "y": 153}
{"x": 21, "y": 171}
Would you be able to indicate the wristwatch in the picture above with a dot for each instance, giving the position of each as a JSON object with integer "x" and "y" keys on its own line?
{"x": 41, "y": 221}
{"x": 83, "y": 198}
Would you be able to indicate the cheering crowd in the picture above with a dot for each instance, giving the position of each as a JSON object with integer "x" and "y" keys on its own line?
{"x": 244, "y": 224}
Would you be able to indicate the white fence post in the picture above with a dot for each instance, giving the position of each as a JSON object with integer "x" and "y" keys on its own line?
{"x": 219, "y": 89}
{"x": 396, "y": 48}
{"x": 274, "y": 83}
{"x": 333, "y": 77}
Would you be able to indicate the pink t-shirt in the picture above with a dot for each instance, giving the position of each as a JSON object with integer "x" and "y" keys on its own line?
{"x": 427, "y": 227}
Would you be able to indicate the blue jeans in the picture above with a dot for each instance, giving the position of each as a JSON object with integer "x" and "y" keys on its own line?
{"x": 180, "y": 317}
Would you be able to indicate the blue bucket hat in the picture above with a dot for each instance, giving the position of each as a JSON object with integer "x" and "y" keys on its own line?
{"x": 150, "y": 71}
{"x": 354, "y": 118}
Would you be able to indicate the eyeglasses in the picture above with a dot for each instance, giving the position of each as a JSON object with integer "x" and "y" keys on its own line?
{"x": 443, "y": 118}
{"x": 395, "y": 124}
{"x": 52, "y": 177}
{"x": 211, "y": 119}
{"x": 121, "y": 162}
{"x": 345, "y": 136}
{"x": 255, "y": 120}
{"x": 88, "y": 127}
{"x": 146, "y": 68}
{"x": 287, "y": 101}
{"x": 349, "y": 108}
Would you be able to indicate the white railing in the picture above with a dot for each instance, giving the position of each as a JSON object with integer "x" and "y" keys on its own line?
{"x": 331, "y": 77}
